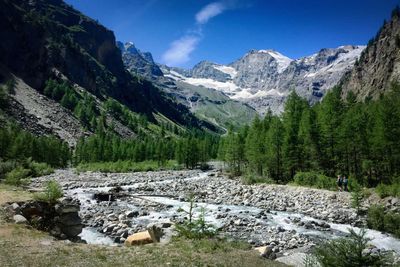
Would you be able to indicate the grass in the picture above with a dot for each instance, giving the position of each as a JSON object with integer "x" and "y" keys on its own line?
{"x": 127, "y": 166}
{"x": 22, "y": 246}
{"x": 25, "y": 247}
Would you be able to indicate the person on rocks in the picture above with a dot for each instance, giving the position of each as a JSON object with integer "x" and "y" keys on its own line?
{"x": 345, "y": 183}
{"x": 339, "y": 182}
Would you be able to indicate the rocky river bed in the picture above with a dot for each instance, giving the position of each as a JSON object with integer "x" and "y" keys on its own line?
{"x": 286, "y": 218}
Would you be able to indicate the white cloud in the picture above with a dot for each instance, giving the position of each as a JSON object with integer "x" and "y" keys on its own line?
{"x": 209, "y": 11}
{"x": 179, "y": 50}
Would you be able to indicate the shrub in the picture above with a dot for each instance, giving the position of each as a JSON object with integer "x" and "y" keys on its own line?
{"x": 195, "y": 229}
{"x": 384, "y": 190}
{"x": 6, "y": 166}
{"x": 17, "y": 176}
{"x": 52, "y": 192}
{"x": 315, "y": 179}
{"x": 379, "y": 220}
{"x": 392, "y": 223}
{"x": 344, "y": 252}
{"x": 356, "y": 199}
{"x": 375, "y": 217}
{"x": 39, "y": 169}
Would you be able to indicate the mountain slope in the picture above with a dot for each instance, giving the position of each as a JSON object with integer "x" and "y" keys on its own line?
{"x": 207, "y": 104}
{"x": 44, "y": 40}
{"x": 379, "y": 64}
{"x": 263, "y": 78}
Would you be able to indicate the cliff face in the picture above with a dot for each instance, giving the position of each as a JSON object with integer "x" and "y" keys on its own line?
{"x": 43, "y": 39}
{"x": 379, "y": 64}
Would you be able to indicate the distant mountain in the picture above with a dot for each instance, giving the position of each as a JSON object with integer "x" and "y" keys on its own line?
{"x": 263, "y": 78}
{"x": 379, "y": 64}
{"x": 48, "y": 39}
{"x": 207, "y": 104}
{"x": 138, "y": 62}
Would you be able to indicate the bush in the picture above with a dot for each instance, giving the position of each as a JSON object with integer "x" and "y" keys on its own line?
{"x": 344, "y": 252}
{"x": 375, "y": 217}
{"x": 52, "y": 192}
{"x": 6, "y": 166}
{"x": 379, "y": 220}
{"x": 40, "y": 169}
{"x": 17, "y": 176}
{"x": 195, "y": 229}
{"x": 356, "y": 199}
{"x": 392, "y": 223}
{"x": 314, "y": 179}
{"x": 384, "y": 190}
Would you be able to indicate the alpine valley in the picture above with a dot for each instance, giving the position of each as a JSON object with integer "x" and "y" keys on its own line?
{"x": 109, "y": 158}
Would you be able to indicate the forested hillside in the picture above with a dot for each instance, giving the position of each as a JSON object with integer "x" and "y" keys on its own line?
{"x": 334, "y": 137}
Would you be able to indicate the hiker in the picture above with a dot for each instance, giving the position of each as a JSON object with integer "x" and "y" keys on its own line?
{"x": 339, "y": 182}
{"x": 345, "y": 183}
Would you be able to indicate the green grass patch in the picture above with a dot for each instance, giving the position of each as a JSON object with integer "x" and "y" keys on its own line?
{"x": 316, "y": 180}
{"x": 128, "y": 166}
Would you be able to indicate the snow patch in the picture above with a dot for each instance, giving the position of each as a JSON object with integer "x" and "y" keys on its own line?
{"x": 225, "y": 69}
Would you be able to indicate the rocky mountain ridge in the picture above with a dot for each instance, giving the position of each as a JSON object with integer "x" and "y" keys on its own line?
{"x": 263, "y": 78}
{"x": 378, "y": 65}
{"x": 45, "y": 40}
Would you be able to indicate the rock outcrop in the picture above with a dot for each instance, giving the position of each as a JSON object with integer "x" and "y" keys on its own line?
{"x": 61, "y": 219}
{"x": 379, "y": 64}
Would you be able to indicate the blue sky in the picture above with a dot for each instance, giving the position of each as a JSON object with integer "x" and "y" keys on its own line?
{"x": 184, "y": 32}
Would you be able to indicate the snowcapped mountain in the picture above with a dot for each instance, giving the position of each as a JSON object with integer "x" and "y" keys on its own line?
{"x": 263, "y": 78}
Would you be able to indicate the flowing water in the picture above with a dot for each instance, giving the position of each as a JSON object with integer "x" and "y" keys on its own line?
{"x": 281, "y": 219}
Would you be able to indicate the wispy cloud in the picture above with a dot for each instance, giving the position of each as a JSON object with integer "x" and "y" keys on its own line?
{"x": 180, "y": 50}
{"x": 210, "y": 11}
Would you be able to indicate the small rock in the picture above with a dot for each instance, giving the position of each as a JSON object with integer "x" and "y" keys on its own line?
{"x": 19, "y": 219}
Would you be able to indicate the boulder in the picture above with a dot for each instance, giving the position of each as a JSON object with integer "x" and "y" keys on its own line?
{"x": 156, "y": 231}
{"x": 266, "y": 252}
{"x": 140, "y": 238}
{"x": 19, "y": 219}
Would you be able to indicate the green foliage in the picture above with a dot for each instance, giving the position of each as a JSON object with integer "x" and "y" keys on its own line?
{"x": 376, "y": 217}
{"x": 386, "y": 190}
{"x": 357, "y": 197}
{"x": 335, "y": 136}
{"x": 380, "y": 220}
{"x": 349, "y": 252}
{"x": 314, "y": 179}
{"x": 127, "y": 166}
{"x": 17, "y": 176}
{"x": 52, "y": 192}
{"x": 6, "y": 166}
{"x": 39, "y": 169}
{"x": 195, "y": 228}
{"x": 17, "y": 144}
